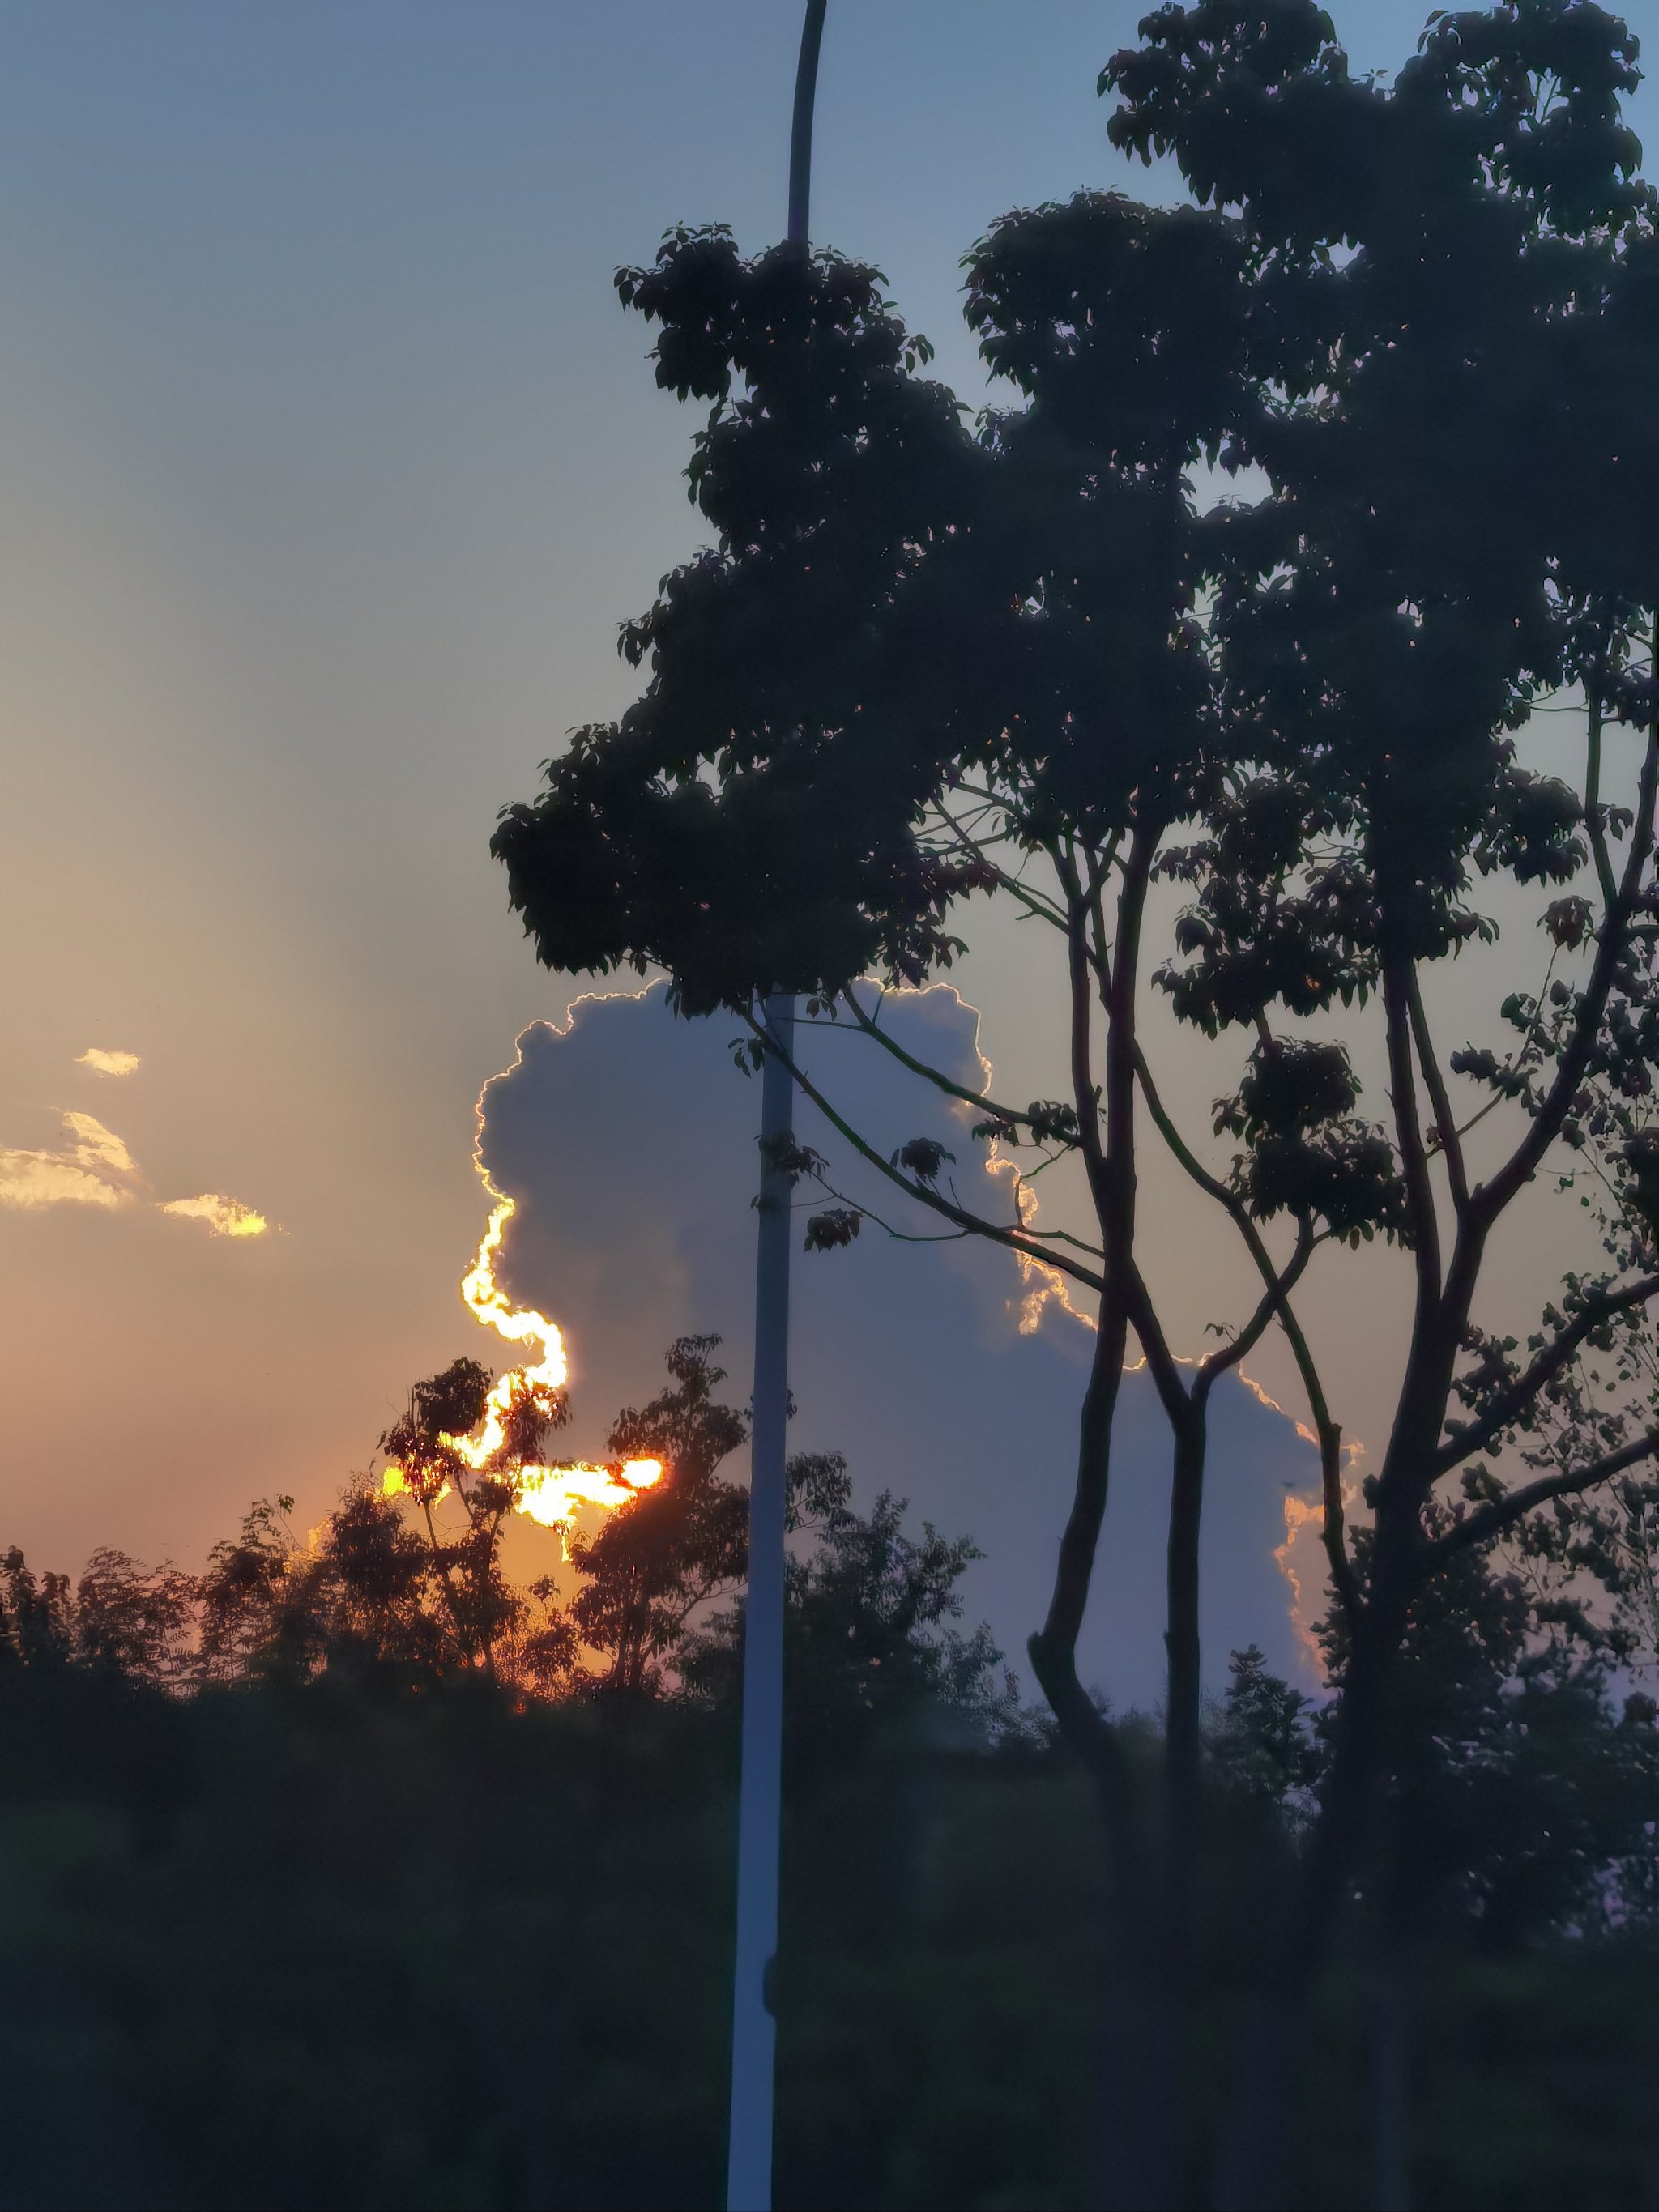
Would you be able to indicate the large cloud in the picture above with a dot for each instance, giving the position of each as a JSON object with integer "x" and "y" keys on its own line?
{"x": 628, "y": 1143}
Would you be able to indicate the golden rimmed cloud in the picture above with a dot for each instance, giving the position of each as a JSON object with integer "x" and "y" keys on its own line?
{"x": 93, "y": 1167}
{"x": 223, "y": 1216}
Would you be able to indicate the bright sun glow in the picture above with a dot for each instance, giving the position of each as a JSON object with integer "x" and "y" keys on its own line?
{"x": 548, "y": 1494}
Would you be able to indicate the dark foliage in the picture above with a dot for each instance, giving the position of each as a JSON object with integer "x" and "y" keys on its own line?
{"x": 1416, "y": 319}
{"x": 359, "y": 1941}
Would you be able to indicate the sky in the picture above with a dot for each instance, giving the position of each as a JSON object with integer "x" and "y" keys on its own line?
{"x": 330, "y": 466}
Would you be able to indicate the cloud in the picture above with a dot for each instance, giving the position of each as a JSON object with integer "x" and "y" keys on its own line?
{"x": 106, "y": 1063}
{"x": 224, "y": 1217}
{"x": 93, "y": 1167}
{"x": 628, "y": 1143}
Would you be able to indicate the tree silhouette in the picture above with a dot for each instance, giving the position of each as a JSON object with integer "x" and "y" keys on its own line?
{"x": 1043, "y": 660}
{"x": 135, "y": 1620}
{"x": 245, "y": 1625}
{"x": 465, "y": 1567}
{"x": 651, "y": 1563}
{"x": 224, "y": 1857}
{"x": 868, "y": 1606}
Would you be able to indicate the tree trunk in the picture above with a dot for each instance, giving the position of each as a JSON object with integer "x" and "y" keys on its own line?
{"x": 1183, "y": 1714}
{"x": 1251, "y": 2173}
{"x": 1140, "y": 2064}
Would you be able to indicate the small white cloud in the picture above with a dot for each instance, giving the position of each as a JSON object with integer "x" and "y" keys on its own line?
{"x": 224, "y": 1217}
{"x": 94, "y": 1169}
{"x": 102, "y": 1062}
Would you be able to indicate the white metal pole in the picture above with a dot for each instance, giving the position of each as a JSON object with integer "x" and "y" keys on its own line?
{"x": 753, "y": 2028}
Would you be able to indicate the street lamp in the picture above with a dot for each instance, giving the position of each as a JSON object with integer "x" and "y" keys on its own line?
{"x": 754, "y": 2026}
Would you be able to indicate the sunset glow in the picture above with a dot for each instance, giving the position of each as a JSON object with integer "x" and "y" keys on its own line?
{"x": 548, "y": 1494}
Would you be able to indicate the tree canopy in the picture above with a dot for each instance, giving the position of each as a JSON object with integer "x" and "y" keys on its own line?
{"x": 1313, "y": 494}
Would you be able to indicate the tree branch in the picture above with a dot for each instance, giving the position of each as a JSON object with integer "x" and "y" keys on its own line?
{"x": 1594, "y": 821}
{"x": 871, "y": 1028}
{"x": 1105, "y": 1187}
{"x": 1031, "y": 901}
{"x": 1112, "y": 1166}
{"x": 1513, "y": 1402}
{"x": 1228, "y": 1356}
{"x": 1449, "y": 1144}
{"x": 1492, "y": 1520}
{"x": 1489, "y": 1199}
{"x": 1326, "y": 1431}
{"x": 1408, "y": 1132}
{"x": 1015, "y": 1239}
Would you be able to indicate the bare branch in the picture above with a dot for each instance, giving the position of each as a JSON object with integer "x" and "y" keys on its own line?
{"x": 1228, "y": 1356}
{"x": 933, "y": 1236}
{"x": 1085, "y": 1097}
{"x": 1595, "y": 820}
{"x": 1032, "y": 901}
{"x": 1016, "y": 1240}
{"x": 1328, "y": 1432}
{"x": 1447, "y": 1142}
{"x": 871, "y": 1028}
{"x": 1111, "y": 1165}
{"x": 1408, "y": 1129}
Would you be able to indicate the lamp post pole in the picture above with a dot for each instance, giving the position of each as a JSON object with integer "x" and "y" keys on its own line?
{"x": 753, "y": 2028}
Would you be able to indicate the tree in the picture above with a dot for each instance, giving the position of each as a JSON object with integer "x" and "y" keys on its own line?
{"x": 423, "y": 1447}
{"x": 1043, "y": 660}
{"x": 134, "y": 1620}
{"x": 653, "y": 1562}
{"x": 120, "y": 1619}
{"x": 36, "y": 1626}
{"x": 869, "y": 1639}
{"x": 868, "y": 1606}
{"x": 373, "y": 1592}
{"x": 1263, "y": 1744}
{"x": 244, "y": 1619}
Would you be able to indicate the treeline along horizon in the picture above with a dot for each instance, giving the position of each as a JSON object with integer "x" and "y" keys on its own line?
{"x": 347, "y": 1872}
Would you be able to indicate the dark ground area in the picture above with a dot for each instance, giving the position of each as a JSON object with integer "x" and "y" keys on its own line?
{"x": 333, "y": 1944}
